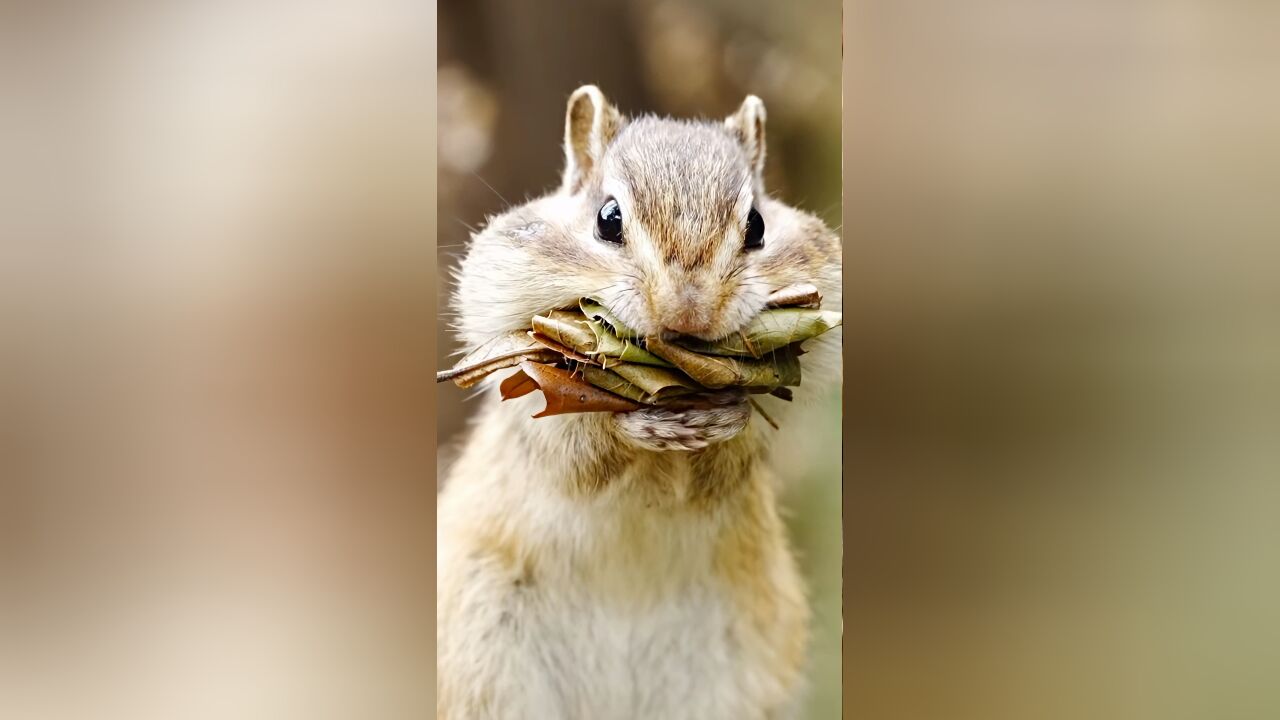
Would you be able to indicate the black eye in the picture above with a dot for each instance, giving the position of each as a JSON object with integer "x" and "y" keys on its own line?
{"x": 609, "y": 222}
{"x": 755, "y": 231}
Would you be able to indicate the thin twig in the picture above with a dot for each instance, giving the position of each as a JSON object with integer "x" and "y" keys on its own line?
{"x": 763, "y": 414}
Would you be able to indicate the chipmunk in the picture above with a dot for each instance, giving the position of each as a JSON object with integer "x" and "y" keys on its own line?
{"x": 607, "y": 566}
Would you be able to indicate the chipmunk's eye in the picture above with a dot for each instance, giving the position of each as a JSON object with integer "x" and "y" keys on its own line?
{"x": 609, "y": 222}
{"x": 754, "y": 239}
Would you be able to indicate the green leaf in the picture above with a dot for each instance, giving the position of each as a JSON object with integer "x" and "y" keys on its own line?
{"x": 612, "y": 346}
{"x": 658, "y": 383}
{"x": 780, "y": 368}
{"x": 568, "y": 329}
{"x": 767, "y": 332}
{"x": 615, "y": 383}
{"x": 595, "y": 310}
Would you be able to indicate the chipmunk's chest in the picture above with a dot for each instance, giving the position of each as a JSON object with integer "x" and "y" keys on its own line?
{"x": 682, "y": 657}
{"x": 610, "y": 612}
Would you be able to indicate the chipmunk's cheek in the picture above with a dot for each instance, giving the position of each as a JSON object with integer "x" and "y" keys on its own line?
{"x": 685, "y": 429}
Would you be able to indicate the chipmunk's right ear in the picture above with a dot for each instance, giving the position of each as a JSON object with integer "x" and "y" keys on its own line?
{"x": 590, "y": 124}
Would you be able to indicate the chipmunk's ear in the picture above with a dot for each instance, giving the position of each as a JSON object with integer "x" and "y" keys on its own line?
{"x": 747, "y": 124}
{"x": 590, "y": 124}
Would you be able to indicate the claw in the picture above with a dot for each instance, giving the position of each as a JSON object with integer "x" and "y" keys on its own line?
{"x": 684, "y": 429}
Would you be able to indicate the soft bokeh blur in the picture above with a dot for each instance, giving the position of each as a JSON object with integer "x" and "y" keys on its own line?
{"x": 216, "y": 302}
{"x": 506, "y": 69}
{"x": 1062, "y": 459}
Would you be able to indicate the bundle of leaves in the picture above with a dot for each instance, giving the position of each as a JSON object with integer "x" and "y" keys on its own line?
{"x": 585, "y": 359}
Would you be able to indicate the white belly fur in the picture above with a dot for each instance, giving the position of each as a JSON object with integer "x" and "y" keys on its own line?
{"x": 556, "y": 607}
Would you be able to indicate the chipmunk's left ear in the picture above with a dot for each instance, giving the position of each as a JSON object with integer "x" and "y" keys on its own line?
{"x": 747, "y": 124}
{"x": 590, "y": 124}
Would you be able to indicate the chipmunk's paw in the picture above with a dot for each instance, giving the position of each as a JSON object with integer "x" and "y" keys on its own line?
{"x": 717, "y": 418}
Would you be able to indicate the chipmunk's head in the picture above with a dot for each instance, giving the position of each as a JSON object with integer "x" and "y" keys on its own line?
{"x": 665, "y": 221}
{"x": 674, "y": 208}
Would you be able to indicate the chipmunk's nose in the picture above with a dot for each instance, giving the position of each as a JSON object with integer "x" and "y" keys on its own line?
{"x": 683, "y": 309}
{"x": 687, "y": 324}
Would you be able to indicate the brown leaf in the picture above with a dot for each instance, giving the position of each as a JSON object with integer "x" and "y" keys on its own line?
{"x": 567, "y": 394}
{"x": 501, "y": 352}
{"x": 798, "y": 295}
{"x": 518, "y": 385}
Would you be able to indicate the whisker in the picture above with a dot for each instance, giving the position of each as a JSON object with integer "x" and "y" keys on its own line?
{"x": 495, "y": 192}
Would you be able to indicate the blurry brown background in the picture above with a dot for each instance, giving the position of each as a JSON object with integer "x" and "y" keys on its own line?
{"x": 506, "y": 69}
{"x": 1062, "y": 410}
{"x": 216, "y": 267}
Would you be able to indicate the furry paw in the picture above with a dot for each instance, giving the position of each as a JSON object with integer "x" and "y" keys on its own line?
{"x": 716, "y": 418}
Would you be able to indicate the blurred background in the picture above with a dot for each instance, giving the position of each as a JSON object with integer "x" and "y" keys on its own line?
{"x": 216, "y": 432}
{"x": 1062, "y": 336}
{"x": 506, "y": 69}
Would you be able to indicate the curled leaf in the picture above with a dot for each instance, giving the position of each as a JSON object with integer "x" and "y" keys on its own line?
{"x": 568, "y": 394}
{"x": 716, "y": 371}
{"x": 615, "y": 383}
{"x": 596, "y": 310}
{"x": 658, "y": 383}
{"x": 567, "y": 329}
{"x": 611, "y": 346}
{"x": 767, "y": 332}
{"x": 556, "y": 347}
{"x": 518, "y": 385}
{"x": 504, "y": 351}
{"x": 798, "y": 295}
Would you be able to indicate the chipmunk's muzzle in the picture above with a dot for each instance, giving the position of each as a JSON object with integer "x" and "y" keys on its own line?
{"x": 689, "y": 306}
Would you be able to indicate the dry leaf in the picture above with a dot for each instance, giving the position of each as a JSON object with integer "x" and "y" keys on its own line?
{"x": 658, "y": 383}
{"x": 501, "y": 352}
{"x": 569, "y": 329}
{"x": 620, "y": 372}
{"x": 611, "y": 346}
{"x": 518, "y": 385}
{"x": 552, "y": 345}
{"x": 798, "y": 295}
{"x": 642, "y": 383}
{"x": 615, "y": 383}
{"x": 716, "y": 371}
{"x": 567, "y": 394}
{"x": 595, "y": 310}
{"x": 767, "y": 332}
